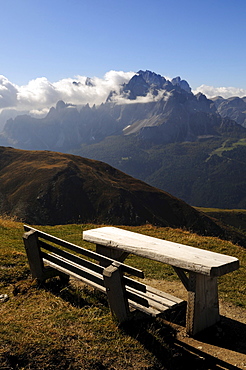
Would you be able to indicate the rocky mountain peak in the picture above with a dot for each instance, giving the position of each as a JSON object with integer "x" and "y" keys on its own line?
{"x": 137, "y": 86}
{"x": 144, "y": 82}
{"x": 181, "y": 83}
{"x": 152, "y": 78}
{"x": 89, "y": 82}
{"x": 60, "y": 105}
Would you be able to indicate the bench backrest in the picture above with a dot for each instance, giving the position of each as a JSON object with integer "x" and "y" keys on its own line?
{"x": 79, "y": 250}
{"x": 178, "y": 255}
{"x": 40, "y": 253}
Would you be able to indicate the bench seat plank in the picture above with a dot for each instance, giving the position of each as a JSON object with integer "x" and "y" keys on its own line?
{"x": 175, "y": 254}
{"x": 149, "y": 300}
{"x": 158, "y": 301}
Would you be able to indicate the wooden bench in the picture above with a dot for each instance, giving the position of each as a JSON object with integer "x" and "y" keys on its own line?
{"x": 107, "y": 275}
{"x": 198, "y": 269}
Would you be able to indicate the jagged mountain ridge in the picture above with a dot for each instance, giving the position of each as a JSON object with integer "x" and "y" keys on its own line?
{"x": 42, "y": 187}
{"x": 155, "y": 109}
{"x": 233, "y": 108}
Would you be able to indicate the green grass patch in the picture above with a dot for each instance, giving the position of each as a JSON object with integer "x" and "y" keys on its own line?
{"x": 228, "y": 145}
{"x": 233, "y": 217}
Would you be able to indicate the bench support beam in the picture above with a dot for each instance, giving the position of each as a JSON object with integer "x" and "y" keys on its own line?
{"x": 203, "y": 304}
{"x": 38, "y": 270}
{"x": 115, "y": 254}
{"x": 181, "y": 274}
{"x": 116, "y": 292}
{"x": 35, "y": 260}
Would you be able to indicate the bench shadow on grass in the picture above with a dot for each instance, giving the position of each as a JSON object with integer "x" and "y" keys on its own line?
{"x": 78, "y": 296}
{"x": 228, "y": 333}
{"x": 159, "y": 337}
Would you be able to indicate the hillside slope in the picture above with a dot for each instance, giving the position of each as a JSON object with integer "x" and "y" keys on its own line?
{"x": 208, "y": 173}
{"x": 42, "y": 187}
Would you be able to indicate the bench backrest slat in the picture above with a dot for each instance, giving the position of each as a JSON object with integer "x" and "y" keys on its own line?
{"x": 134, "y": 284}
{"x": 84, "y": 273}
{"x": 71, "y": 257}
{"x": 84, "y": 252}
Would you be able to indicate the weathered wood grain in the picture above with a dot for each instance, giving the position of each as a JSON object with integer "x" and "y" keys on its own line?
{"x": 35, "y": 260}
{"x": 178, "y": 255}
{"x": 203, "y": 305}
{"x": 198, "y": 270}
{"x": 116, "y": 292}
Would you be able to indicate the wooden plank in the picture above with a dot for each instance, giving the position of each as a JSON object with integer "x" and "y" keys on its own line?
{"x": 178, "y": 255}
{"x": 76, "y": 276}
{"x": 115, "y": 254}
{"x": 116, "y": 293}
{"x": 203, "y": 304}
{"x": 85, "y": 252}
{"x": 160, "y": 302}
{"x": 181, "y": 274}
{"x": 71, "y": 257}
{"x": 30, "y": 240}
{"x": 72, "y": 267}
{"x": 147, "y": 310}
{"x": 136, "y": 297}
{"x": 159, "y": 294}
{"x": 70, "y": 246}
{"x": 155, "y": 308}
{"x": 134, "y": 284}
{"x": 50, "y": 272}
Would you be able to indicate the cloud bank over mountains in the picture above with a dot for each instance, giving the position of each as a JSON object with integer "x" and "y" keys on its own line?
{"x": 40, "y": 94}
{"x": 225, "y": 92}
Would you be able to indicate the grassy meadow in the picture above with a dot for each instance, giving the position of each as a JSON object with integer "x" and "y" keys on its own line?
{"x": 70, "y": 327}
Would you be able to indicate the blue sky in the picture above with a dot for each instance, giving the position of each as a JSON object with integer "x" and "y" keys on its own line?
{"x": 201, "y": 41}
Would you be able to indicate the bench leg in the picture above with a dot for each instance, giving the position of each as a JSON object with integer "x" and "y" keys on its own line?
{"x": 116, "y": 293}
{"x": 203, "y": 304}
{"x": 38, "y": 270}
{"x": 30, "y": 239}
{"x": 111, "y": 253}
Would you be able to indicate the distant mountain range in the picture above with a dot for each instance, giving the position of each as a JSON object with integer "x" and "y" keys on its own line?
{"x": 234, "y": 108}
{"x": 159, "y": 111}
{"x": 155, "y": 130}
{"x": 55, "y": 188}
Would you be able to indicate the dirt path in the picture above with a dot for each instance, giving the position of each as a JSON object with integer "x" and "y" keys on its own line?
{"x": 224, "y": 345}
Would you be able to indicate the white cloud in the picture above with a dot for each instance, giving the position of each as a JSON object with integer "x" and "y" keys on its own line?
{"x": 225, "y": 92}
{"x": 37, "y": 94}
{"x": 8, "y": 93}
{"x": 39, "y": 113}
{"x": 41, "y": 94}
{"x": 150, "y": 97}
{"x": 96, "y": 92}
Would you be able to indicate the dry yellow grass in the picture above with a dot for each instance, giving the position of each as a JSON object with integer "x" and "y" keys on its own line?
{"x": 10, "y": 222}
